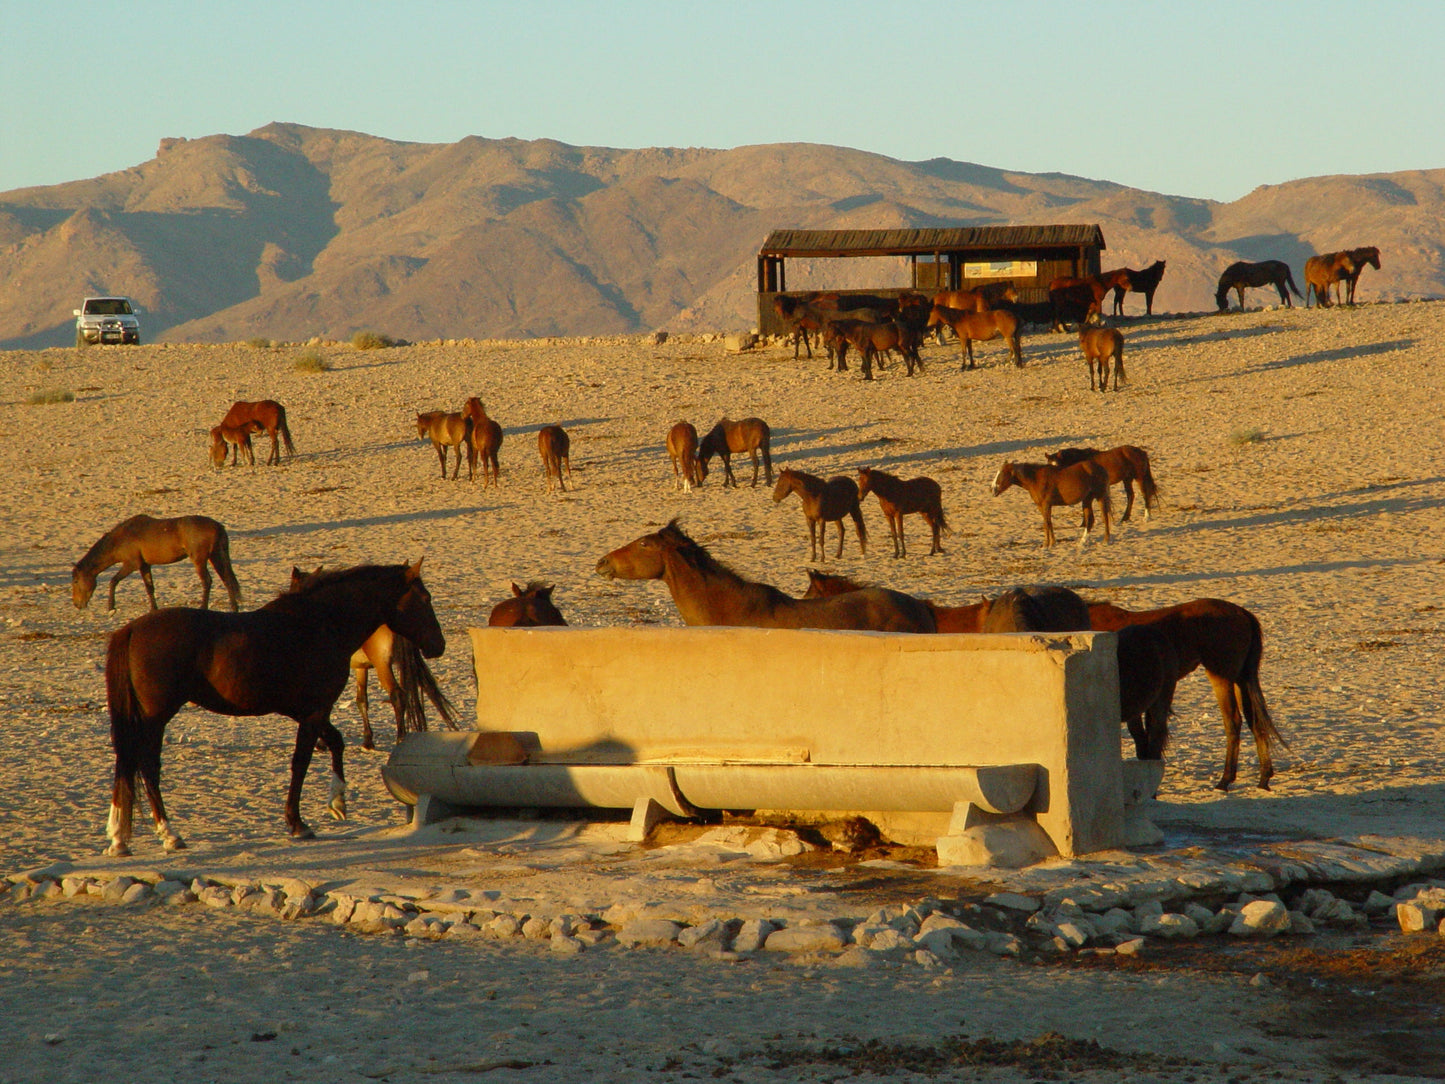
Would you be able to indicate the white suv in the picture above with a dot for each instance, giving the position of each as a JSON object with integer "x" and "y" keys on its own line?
{"x": 107, "y": 320}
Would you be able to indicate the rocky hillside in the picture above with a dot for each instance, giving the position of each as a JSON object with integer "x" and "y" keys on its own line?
{"x": 293, "y": 232}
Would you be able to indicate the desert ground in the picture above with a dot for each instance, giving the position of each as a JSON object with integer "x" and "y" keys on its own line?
{"x": 1299, "y": 457}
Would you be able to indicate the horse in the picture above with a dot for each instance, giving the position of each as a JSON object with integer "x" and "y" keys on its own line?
{"x": 750, "y": 435}
{"x": 1051, "y": 486}
{"x": 486, "y": 440}
{"x": 1035, "y": 609}
{"x": 1361, "y": 257}
{"x": 899, "y": 498}
{"x": 445, "y": 431}
{"x": 555, "y": 448}
{"x": 1141, "y": 282}
{"x": 289, "y": 658}
{"x": 986, "y": 325}
{"x": 802, "y": 318}
{"x": 687, "y": 469}
{"x": 1225, "y": 639}
{"x": 1099, "y": 344}
{"x": 529, "y": 607}
{"x": 1076, "y": 303}
{"x": 1148, "y": 673}
{"x": 232, "y": 442}
{"x": 873, "y": 339}
{"x": 707, "y": 592}
{"x": 1126, "y": 463}
{"x": 141, "y": 541}
{"x": 403, "y": 675}
{"x": 266, "y": 416}
{"x": 824, "y": 503}
{"x": 1242, "y": 275}
{"x": 945, "y": 618}
{"x": 1324, "y": 271}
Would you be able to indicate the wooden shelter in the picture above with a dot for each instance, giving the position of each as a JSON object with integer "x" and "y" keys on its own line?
{"x": 939, "y": 259}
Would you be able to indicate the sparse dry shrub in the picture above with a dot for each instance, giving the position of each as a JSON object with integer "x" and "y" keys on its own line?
{"x": 371, "y": 340}
{"x": 311, "y": 362}
{"x": 56, "y": 395}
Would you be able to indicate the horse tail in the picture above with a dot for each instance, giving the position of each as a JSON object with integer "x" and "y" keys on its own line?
{"x": 768, "y": 458}
{"x": 221, "y": 558}
{"x": 413, "y": 678}
{"x": 1148, "y": 486}
{"x": 1290, "y": 279}
{"x": 857, "y": 513}
{"x": 1251, "y": 694}
{"x": 126, "y": 725}
{"x": 284, "y": 429}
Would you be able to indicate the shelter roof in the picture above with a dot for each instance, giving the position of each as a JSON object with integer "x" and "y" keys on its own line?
{"x": 908, "y": 242}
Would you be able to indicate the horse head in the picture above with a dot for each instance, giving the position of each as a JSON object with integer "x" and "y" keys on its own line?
{"x": 82, "y": 586}
{"x": 414, "y": 617}
{"x": 1003, "y": 479}
{"x": 786, "y": 482}
{"x": 865, "y": 481}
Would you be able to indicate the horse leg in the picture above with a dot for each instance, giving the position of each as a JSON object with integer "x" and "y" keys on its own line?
{"x": 126, "y": 568}
{"x": 729, "y": 479}
{"x": 336, "y": 805}
{"x": 1048, "y": 511}
{"x": 145, "y": 575}
{"x": 756, "y": 465}
{"x": 441, "y": 457}
{"x": 1128, "y": 500}
{"x": 895, "y": 525}
{"x": 150, "y": 771}
{"x": 363, "y": 707}
{"x": 274, "y": 459}
{"x": 1088, "y": 521}
{"x": 1229, "y": 709}
{"x": 935, "y": 523}
{"x": 839, "y": 521}
{"x": 307, "y": 731}
{"x": 1137, "y": 731}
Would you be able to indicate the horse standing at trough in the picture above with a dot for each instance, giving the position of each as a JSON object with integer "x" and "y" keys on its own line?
{"x": 486, "y": 440}
{"x": 823, "y": 503}
{"x": 140, "y": 542}
{"x": 266, "y": 416}
{"x": 707, "y": 592}
{"x": 750, "y": 435}
{"x": 555, "y": 448}
{"x": 445, "y": 431}
{"x": 1049, "y": 487}
{"x": 529, "y": 607}
{"x": 898, "y": 498}
{"x": 289, "y": 658}
{"x": 947, "y": 619}
{"x": 1245, "y": 275}
{"x": 1035, "y": 609}
{"x": 1126, "y": 463}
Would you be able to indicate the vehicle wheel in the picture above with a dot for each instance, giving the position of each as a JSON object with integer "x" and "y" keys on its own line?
{"x": 80, "y": 340}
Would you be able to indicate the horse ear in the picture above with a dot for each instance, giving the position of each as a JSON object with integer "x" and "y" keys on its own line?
{"x": 296, "y": 577}
{"x": 516, "y": 591}
{"x": 413, "y": 571}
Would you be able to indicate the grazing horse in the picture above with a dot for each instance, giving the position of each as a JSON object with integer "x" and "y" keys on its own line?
{"x": 1227, "y": 641}
{"x": 707, "y": 592}
{"x": 986, "y": 325}
{"x": 234, "y": 442}
{"x": 402, "y": 673}
{"x": 899, "y": 498}
{"x": 945, "y": 618}
{"x": 1099, "y": 344}
{"x": 266, "y": 416}
{"x": 1242, "y": 275}
{"x": 289, "y": 658}
{"x": 486, "y": 440}
{"x": 1324, "y": 271}
{"x": 823, "y": 503}
{"x": 1126, "y": 463}
{"x": 750, "y": 435}
{"x": 529, "y": 607}
{"x": 445, "y": 431}
{"x": 1140, "y": 282}
{"x": 687, "y": 469}
{"x": 1035, "y": 609}
{"x": 1051, "y": 486}
{"x": 141, "y": 541}
{"x": 1361, "y": 258}
{"x": 555, "y": 448}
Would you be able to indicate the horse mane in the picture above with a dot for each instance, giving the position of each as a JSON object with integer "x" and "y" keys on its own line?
{"x": 323, "y": 578}
{"x": 695, "y": 555}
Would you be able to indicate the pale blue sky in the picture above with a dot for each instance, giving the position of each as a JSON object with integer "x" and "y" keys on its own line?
{"x": 1192, "y": 99}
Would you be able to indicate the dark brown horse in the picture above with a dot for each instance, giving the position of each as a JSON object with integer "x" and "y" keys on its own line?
{"x": 707, "y": 592}
{"x": 727, "y": 437}
{"x": 1099, "y": 345}
{"x": 1148, "y": 672}
{"x": 1077, "y": 302}
{"x": 1245, "y": 275}
{"x": 555, "y": 448}
{"x": 1035, "y": 609}
{"x": 1126, "y": 463}
{"x": 802, "y": 319}
{"x": 1368, "y": 256}
{"x": 446, "y": 430}
{"x": 141, "y": 541}
{"x": 946, "y": 618}
{"x": 234, "y": 442}
{"x": 266, "y": 416}
{"x": 1227, "y": 641}
{"x": 486, "y": 441}
{"x": 824, "y": 503}
{"x": 1140, "y": 282}
{"x": 899, "y": 498}
{"x": 288, "y": 658}
{"x": 687, "y": 469}
{"x": 983, "y": 326}
{"x": 1052, "y": 486}
{"x": 873, "y": 340}
{"x": 529, "y": 607}
{"x": 1324, "y": 271}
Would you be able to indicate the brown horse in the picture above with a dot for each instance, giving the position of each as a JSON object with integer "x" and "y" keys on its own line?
{"x": 1322, "y": 272}
{"x": 687, "y": 469}
{"x": 555, "y": 448}
{"x": 1035, "y": 609}
{"x": 875, "y": 339}
{"x": 707, "y": 592}
{"x": 233, "y": 442}
{"x": 1245, "y": 275}
{"x": 1140, "y": 282}
{"x": 1077, "y": 302}
{"x": 983, "y": 326}
{"x": 1227, "y": 641}
{"x": 1099, "y": 345}
{"x": 1126, "y": 463}
{"x": 945, "y": 618}
{"x": 141, "y": 541}
{"x": 266, "y": 416}
{"x": 1369, "y": 256}
{"x": 288, "y": 658}
{"x": 801, "y": 318}
{"x": 899, "y": 498}
{"x": 1052, "y": 486}
{"x": 1148, "y": 672}
{"x": 445, "y": 431}
{"x": 529, "y": 607}
{"x": 750, "y": 435}
{"x": 824, "y": 503}
{"x": 486, "y": 440}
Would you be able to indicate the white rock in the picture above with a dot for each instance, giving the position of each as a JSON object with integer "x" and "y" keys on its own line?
{"x": 536, "y": 929}
{"x": 135, "y": 893}
{"x": 1132, "y": 947}
{"x": 1073, "y": 934}
{"x": 890, "y": 940}
{"x": 1377, "y": 903}
{"x": 823, "y": 937}
{"x": 752, "y": 935}
{"x": 566, "y": 946}
{"x": 116, "y": 889}
{"x": 504, "y": 925}
{"x": 1169, "y": 925}
{"x": 1261, "y": 918}
{"x": 707, "y": 935}
{"x": 649, "y": 931}
{"x": 1415, "y": 917}
{"x": 1014, "y": 901}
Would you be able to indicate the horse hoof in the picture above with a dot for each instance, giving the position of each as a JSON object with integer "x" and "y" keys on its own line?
{"x": 302, "y": 832}
{"x": 173, "y": 843}
{"x": 118, "y": 850}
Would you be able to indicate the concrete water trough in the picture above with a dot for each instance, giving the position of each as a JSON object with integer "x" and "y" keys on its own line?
{"x": 998, "y": 749}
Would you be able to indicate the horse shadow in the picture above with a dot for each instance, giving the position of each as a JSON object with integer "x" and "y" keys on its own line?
{"x": 566, "y": 423}
{"x": 1316, "y": 512}
{"x": 1342, "y": 354}
{"x": 1232, "y": 574}
{"x": 434, "y": 514}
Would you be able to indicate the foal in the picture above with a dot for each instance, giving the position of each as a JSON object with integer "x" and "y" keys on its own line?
{"x": 824, "y": 503}
{"x": 555, "y": 448}
{"x": 1099, "y": 344}
{"x": 234, "y": 441}
{"x": 898, "y": 498}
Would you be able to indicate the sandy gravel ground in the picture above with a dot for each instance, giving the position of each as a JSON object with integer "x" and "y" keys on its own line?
{"x": 1299, "y": 454}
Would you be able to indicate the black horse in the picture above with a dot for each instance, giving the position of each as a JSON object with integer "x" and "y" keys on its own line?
{"x": 1238, "y": 276}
